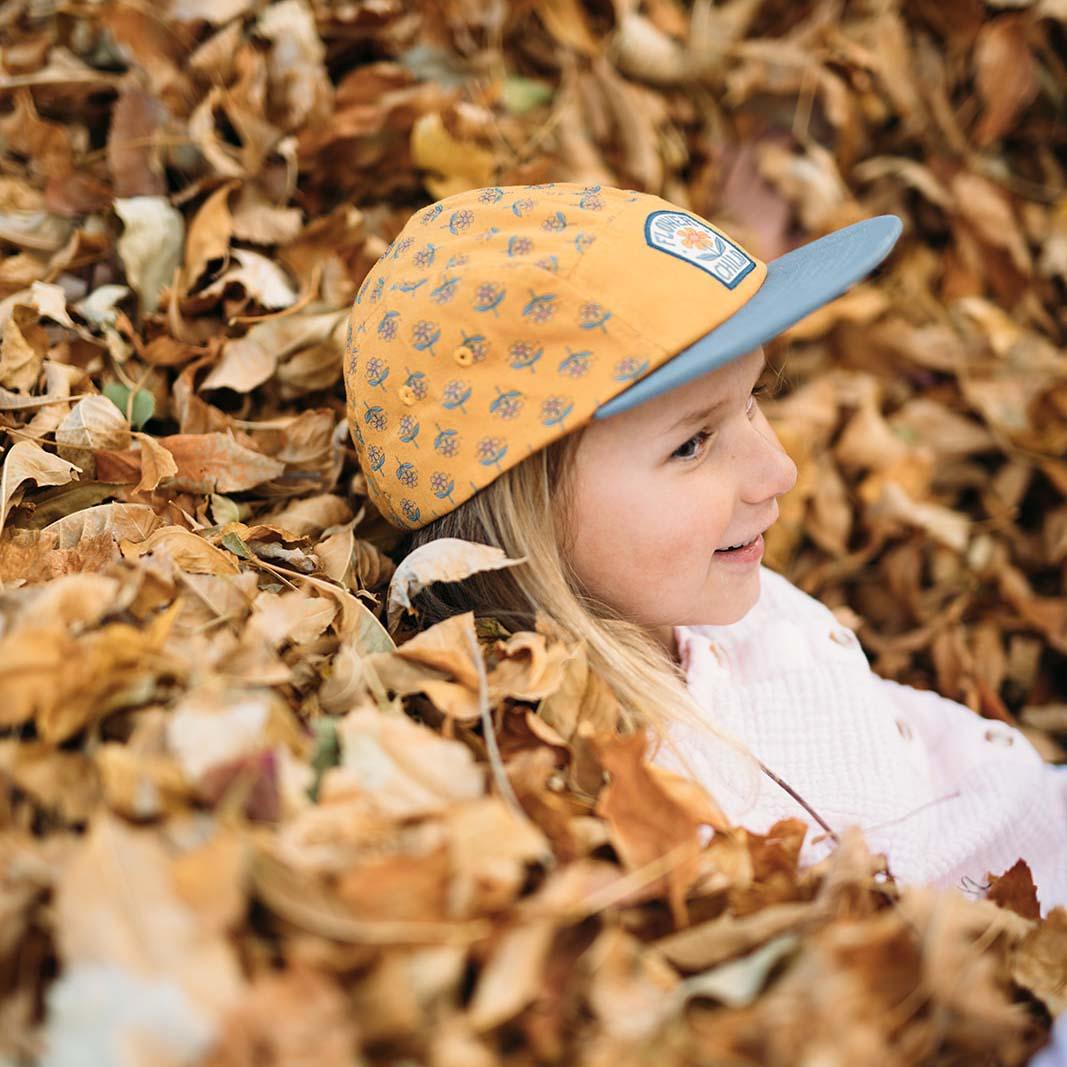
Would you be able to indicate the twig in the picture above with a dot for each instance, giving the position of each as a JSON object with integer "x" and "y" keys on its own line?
{"x": 800, "y": 800}
{"x": 495, "y": 762}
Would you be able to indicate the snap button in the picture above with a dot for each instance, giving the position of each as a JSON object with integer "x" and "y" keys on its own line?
{"x": 995, "y": 737}
{"x": 407, "y": 395}
{"x": 904, "y": 730}
{"x": 842, "y": 637}
{"x": 463, "y": 356}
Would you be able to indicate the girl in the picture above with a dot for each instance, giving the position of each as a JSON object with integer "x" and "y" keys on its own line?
{"x": 570, "y": 373}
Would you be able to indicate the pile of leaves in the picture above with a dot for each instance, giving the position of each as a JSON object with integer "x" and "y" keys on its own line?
{"x": 248, "y": 812}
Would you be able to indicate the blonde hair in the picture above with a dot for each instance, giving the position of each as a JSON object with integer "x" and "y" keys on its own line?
{"x": 525, "y": 513}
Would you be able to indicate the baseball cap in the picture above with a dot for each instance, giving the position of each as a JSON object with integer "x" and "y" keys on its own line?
{"x": 501, "y": 319}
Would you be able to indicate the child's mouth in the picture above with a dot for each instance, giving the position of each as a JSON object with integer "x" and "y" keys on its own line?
{"x": 746, "y": 553}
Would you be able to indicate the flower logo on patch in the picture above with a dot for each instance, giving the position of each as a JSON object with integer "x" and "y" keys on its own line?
{"x": 695, "y": 242}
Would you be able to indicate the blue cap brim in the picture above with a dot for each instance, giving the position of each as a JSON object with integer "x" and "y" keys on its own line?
{"x": 796, "y": 284}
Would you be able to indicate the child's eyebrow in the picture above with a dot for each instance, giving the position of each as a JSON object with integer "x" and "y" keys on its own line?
{"x": 699, "y": 414}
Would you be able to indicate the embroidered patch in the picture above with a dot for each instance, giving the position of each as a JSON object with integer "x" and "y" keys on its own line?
{"x": 687, "y": 238}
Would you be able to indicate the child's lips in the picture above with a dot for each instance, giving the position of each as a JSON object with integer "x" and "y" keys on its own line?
{"x": 751, "y": 553}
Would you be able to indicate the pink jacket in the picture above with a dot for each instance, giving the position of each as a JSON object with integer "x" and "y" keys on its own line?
{"x": 949, "y": 797}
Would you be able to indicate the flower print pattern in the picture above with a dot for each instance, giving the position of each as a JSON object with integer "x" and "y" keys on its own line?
{"x": 555, "y": 409}
{"x": 416, "y": 382}
{"x": 442, "y": 486}
{"x": 540, "y": 307}
{"x": 490, "y": 451}
{"x": 487, "y": 296}
{"x": 590, "y": 198}
{"x": 582, "y": 242}
{"x": 508, "y": 403}
{"x": 691, "y": 237}
{"x": 446, "y": 442}
{"x": 424, "y": 335}
{"x": 576, "y": 364}
{"x": 478, "y": 344}
{"x": 375, "y": 417}
{"x": 457, "y": 392}
{"x": 388, "y": 325}
{"x": 377, "y": 371}
{"x": 523, "y": 354}
{"x": 592, "y": 316}
{"x": 408, "y": 287}
{"x": 408, "y": 430}
{"x": 376, "y": 458}
{"x": 629, "y": 369}
{"x": 446, "y": 290}
{"x": 460, "y": 419}
{"x": 460, "y": 221}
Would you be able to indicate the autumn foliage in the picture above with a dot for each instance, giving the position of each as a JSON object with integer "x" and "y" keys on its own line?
{"x": 249, "y": 813}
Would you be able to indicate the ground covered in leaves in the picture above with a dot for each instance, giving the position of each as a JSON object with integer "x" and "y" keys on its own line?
{"x": 247, "y": 815}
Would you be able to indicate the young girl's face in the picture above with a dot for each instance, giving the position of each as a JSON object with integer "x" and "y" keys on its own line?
{"x": 661, "y": 489}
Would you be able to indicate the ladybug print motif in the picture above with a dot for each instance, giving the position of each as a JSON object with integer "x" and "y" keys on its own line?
{"x": 377, "y": 372}
{"x": 408, "y": 430}
{"x": 446, "y": 442}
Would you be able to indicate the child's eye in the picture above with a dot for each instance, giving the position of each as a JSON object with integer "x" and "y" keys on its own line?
{"x": 699, "y": 439}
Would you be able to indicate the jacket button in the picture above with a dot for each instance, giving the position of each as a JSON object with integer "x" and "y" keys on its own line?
{"x": 407, "y": 395}
{"x": 904, "y": 730}
{"x": 842, "y": 637}
{"x": 996, "y": 737}
{"x": 463, "y": 355}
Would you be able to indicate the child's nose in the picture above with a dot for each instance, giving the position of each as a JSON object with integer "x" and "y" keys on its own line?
{"x": 773, "y": 471}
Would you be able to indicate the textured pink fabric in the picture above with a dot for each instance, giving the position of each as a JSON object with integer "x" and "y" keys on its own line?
{"x": 948, "y": 796}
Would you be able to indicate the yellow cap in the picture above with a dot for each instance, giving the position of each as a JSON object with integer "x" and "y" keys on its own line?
{"x": 500, "y": 319}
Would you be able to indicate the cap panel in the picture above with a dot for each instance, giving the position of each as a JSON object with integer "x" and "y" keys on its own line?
{"x": 676, "y": 275}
